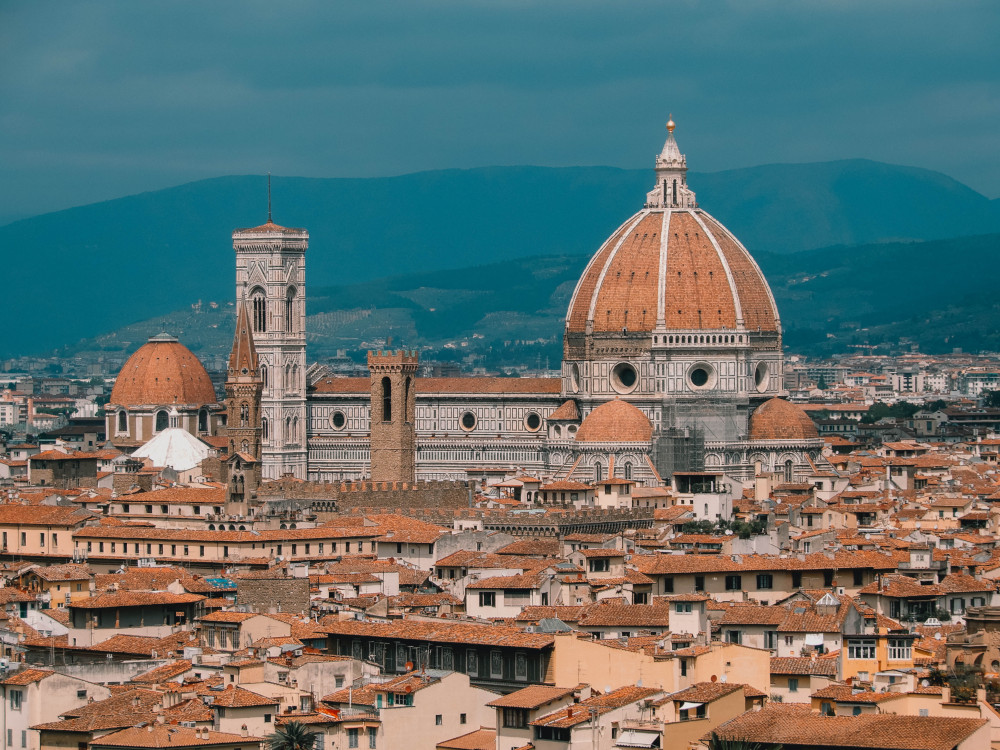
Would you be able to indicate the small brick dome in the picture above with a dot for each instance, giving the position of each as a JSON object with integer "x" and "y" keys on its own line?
{"x": 163, "y": 371}
{"x": 777, "y": 419}
{"x": 615, "y": 422}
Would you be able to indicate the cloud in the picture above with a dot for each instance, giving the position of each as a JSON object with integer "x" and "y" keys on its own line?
{"x": 98, "y": 99}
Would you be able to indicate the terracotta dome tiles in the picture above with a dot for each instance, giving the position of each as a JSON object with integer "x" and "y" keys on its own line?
{"x": 163, "y": 372}
{"x": 580, "y": 305}
{"x": 777, "y": 419}
{"x": 755, "y": 297}
{"x": 709, "y": 279}
{"x": 615, "y": 422}
{"x": 627, "y": 297}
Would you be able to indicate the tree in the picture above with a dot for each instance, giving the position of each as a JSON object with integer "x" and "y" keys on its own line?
{"x": 991, "y": 399}
{"x": 292, "y": 736}
{"x": 715, "y": 742}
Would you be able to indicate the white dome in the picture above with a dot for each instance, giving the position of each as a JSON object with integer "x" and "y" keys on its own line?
{"x": 175, "y": 448}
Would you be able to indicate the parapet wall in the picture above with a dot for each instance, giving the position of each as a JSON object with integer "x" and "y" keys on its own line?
{"x": 339, "y": 497}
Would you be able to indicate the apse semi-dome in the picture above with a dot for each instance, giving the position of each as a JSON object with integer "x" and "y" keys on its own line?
{"x": 615, "y": 422}
{"x": 777, "y": 419}
{"x": 162, "y": 371}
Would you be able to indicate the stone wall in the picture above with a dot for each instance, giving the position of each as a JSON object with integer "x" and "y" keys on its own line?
{"x": 268, "y": 595}
{"x": 338, "y": 497}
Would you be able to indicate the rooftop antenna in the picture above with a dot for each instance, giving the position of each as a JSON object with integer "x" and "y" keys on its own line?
{"x": 268, "y": 197}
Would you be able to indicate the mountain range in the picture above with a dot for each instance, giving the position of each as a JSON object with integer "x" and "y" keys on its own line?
{"x": 519, "y": 235}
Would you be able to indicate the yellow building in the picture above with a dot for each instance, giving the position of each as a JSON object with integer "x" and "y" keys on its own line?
{"x": 63, "y": 584}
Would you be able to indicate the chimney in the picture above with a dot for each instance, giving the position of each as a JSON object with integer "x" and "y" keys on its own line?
{"x": 946, "y": 694}
{"x": 243, "y": 731}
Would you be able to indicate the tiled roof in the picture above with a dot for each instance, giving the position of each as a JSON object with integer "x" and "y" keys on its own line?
{"x": 678, "y": 564}
{"x": 66, "y": 572}
{"x": 630, "y": 615}
{"x": 533, "y": 696}
{"x": 567, "y": 411}
{"x": 481, "y": 739}
{"x": 237, "y": 697}
{"x": 804, "y": 665}
{"x": 443, "y": 632}
{"x": 167, "y": 735}
{"x": 163, "y": 372}
{"x": 777, "y": 419}
{"x": 790, "y": 725}
{"x": 523, "y": 581}
{"x": 622, "y": 284}
{"x": 615, "y": 421}
{"x": 163, "y": 673}
{"x": 580, "y": 712}
{"x": 134, "y": 599}
{"x": 27, "y": 677}
{"x": 703, "y": 692}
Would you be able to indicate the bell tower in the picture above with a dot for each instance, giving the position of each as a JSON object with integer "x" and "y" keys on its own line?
{"x": 243, "y": 420}
{"x": 270, "y": 277}
{"x": 393, "y": 416}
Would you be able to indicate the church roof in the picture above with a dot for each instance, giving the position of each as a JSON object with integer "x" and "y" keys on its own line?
{"x": 243, "y": 357}
{"x": 163, "y": 371}
{"x": 777, "y": 419}
{"x": 615, "y": 422}
{"x": 175, "y": 448}
{"x": 269, "y": 227}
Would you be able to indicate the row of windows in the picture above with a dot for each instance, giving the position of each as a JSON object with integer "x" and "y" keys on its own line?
{"x": 307, "y": 547}
{"x": 258, "y": 311}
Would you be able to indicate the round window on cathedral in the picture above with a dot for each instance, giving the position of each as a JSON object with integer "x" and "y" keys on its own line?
{"x": 468, "y": 421}
{"x": 574, "y": 377}
{"x": 338, "y": 420}
{"x": 624, "y": 377}
{"x": 533, "y": 422}
{"x": 701, "y": 377}
{"x": 761, "y": 377}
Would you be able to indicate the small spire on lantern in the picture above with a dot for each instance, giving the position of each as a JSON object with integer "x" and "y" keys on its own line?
{"x": 670, "y": 124}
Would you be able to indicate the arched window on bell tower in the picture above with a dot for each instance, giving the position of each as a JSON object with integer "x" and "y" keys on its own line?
{"x": 386, "y": 399}
{"x": 244, "y": 414}
{"x": 290, "y": 310}
{"x": 788, "y": 472}
{"x": 258, "y": 305}
{"x": 265, "y": 433}
{"x": 123, "y": 421}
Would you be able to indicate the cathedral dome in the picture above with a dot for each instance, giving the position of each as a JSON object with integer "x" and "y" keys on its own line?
{"x": 671, "y": 267}
{"x": 163, "y": 371}
{"x": 777, "y": 419}
{"x": 615, "y": 421}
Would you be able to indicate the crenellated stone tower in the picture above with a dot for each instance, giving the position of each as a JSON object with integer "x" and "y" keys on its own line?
{"x": 270, "y": 276}
{"x": 393, "y": 416}
{"x": 243, "y": 405}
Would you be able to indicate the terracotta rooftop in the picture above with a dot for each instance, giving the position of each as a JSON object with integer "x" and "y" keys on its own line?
{"x": 162, "y": 371}
{"x": 797, "y": 726}
{"x": 777, "y": 419}
{"x": 533, "y": 696}
{"x": 615, "y": 421}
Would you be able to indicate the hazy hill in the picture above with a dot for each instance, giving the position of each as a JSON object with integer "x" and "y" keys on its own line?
{"x": 75, "y": 273}
{"x": 940, "y": 294}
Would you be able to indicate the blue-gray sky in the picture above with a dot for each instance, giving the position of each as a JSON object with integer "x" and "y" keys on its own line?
{"x": 103, "y": 99}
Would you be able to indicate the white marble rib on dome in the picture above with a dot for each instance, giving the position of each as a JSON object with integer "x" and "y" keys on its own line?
{"x": 175, "y": 448}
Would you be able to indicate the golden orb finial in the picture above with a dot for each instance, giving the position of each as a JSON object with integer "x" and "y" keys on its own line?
{"x": 670, "y": 124}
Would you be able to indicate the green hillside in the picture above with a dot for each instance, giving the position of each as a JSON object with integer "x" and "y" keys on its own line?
{"x": 95, "y": 268}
